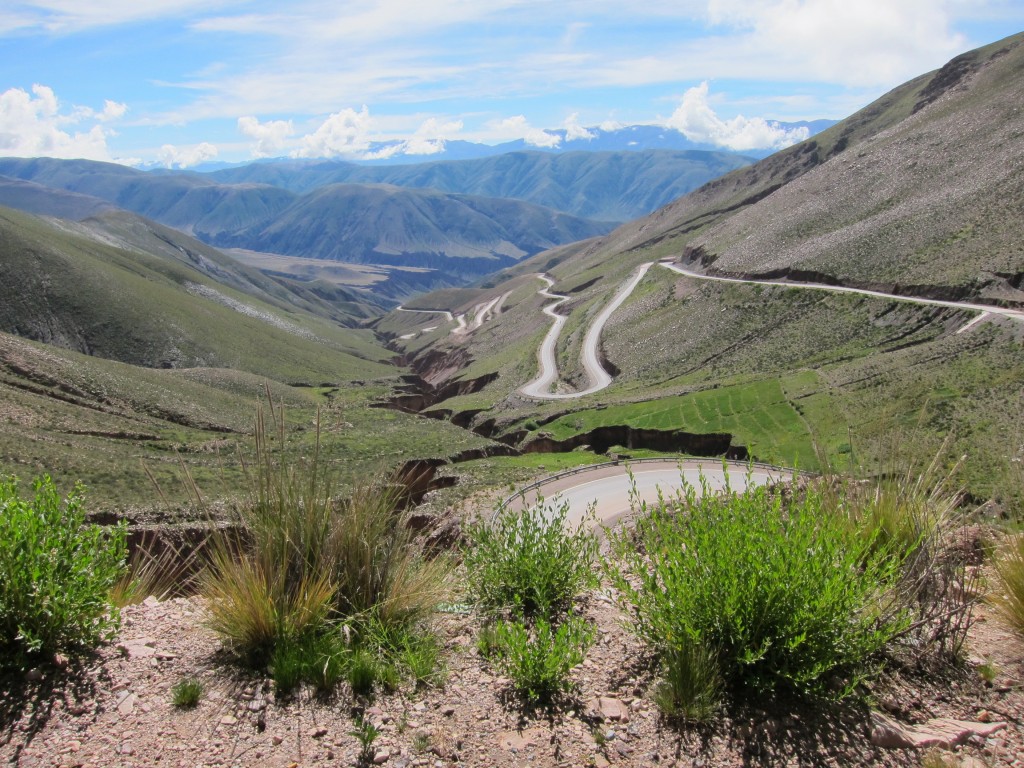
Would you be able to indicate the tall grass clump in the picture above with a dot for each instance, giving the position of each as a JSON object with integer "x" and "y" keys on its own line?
{"x": 915, "y": 512}
{"x": 56, "y": 573}
{"x": 303, "y": 563}
{"x": 776, "y": 589}
{"x": 527, "y": 561}
{"x": 1008, "y": 585}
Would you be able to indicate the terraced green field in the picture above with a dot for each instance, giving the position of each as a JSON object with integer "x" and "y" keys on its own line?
{"x": 758, "y": 414}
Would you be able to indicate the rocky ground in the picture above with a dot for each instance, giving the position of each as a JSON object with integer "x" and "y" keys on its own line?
{"x": 116, "y": 710}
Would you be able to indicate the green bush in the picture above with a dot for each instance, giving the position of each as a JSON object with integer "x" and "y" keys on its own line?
{"x": 528, "y": 562}
{"x": 538, "y": 662}
{"x": 783, "y": 588}
{"x": 56, "y": 573}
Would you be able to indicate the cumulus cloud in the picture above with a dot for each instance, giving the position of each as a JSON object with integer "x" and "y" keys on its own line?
{"x": 430, "y": 137}
{"x": 343, "y": 133}
{"x": 33, "y": 125}
{"x": 271, "y": 136}
{"x": 519, "y": 128}
{"x": 574, "y": 131}
{"x": 697, "y": 121}
{"x": 186, "y": 157}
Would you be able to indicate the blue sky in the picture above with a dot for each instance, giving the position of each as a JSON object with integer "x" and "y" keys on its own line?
{"x": 181, "y": 81}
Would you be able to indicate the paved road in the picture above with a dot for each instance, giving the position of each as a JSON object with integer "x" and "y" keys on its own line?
{"x": 598, "y": 377}
{"x": 608, "y": 487}
{"x": 985, "y": 309}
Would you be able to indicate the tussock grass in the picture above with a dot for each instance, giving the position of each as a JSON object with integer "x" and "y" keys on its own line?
{"x": 306, "y": 564}
{"x": 1008, "y": 586}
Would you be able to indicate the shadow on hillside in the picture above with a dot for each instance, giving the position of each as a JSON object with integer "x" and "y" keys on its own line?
{"x": 29, "y": 699}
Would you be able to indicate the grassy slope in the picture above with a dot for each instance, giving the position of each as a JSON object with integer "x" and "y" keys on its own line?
{"x": 103, "y": 423}
{"x": 66, "y": 287}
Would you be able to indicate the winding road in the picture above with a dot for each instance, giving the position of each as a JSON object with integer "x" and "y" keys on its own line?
{"x": 607, "y": 487}
{"x": 599, "y": 378}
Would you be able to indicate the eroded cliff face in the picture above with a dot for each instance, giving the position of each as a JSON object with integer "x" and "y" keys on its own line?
{"x": 601, "y": 439}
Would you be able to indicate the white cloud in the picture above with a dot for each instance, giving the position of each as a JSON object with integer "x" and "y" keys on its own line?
{"x": 609, "y": 126}
{"x": 517, "y": 127}
{"x": 69, "y": 16}
{"x": 430, "y": 137}
{"x": 343, "y": 133}
{"x": 32, "y": 125}
{"x": 186, "y": 157}
{"x": 862, "y": 43}
{"x": 697, "y": 121}
{"x": 574, "y": 131}
{"x": 271, "y": 136}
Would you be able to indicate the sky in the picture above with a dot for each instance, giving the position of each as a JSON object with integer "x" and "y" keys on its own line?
{"x": 180, "y": 82}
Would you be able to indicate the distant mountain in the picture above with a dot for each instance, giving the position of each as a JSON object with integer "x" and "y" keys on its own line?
{"x": 608, "y": 186}
{"x": 628, "y": 138}
{"x": 459, "y": 235}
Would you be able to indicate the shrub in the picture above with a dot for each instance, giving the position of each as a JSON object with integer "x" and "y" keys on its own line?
{"x": 56, "y": 572}
{"x": 528, "y": 562}
{"x": 185, "y": 694}
{"x": 785, "y": 591}
{"x": 538, "y": 662}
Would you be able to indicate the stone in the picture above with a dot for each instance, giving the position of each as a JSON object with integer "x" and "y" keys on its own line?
{"x": 126, "y": 704}
{"x": 610, "y": 709}
{"x": 276, "y": 741}
{"x": 381, "y": 757}
{"x": 228, "y": 720}
{"x": 318, "y": 733}
{"x": 519, "y": 740}
{"x": 945, "y": 732}
{"x": 152, "y": 601}
{"x": 941, "y": 732}
{"x": 887, "y": 733}
{"x": 448, "y": 711}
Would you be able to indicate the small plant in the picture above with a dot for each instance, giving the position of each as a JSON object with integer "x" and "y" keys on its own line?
{"x": 186, "y": 693}
{"x": 420, "y": 742}
{"x": 527, "y": 561}
{"x": 305, "y": 562}
{"x": 988, "y": 671}
{"x": 365, "y": 733}
{"x": 539, "y": 661}
{"x": 487, "y": 641}
{"x": 56, "y": 573}
{"x": 691, "y": 685}
{"x": 421, "y": 656}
